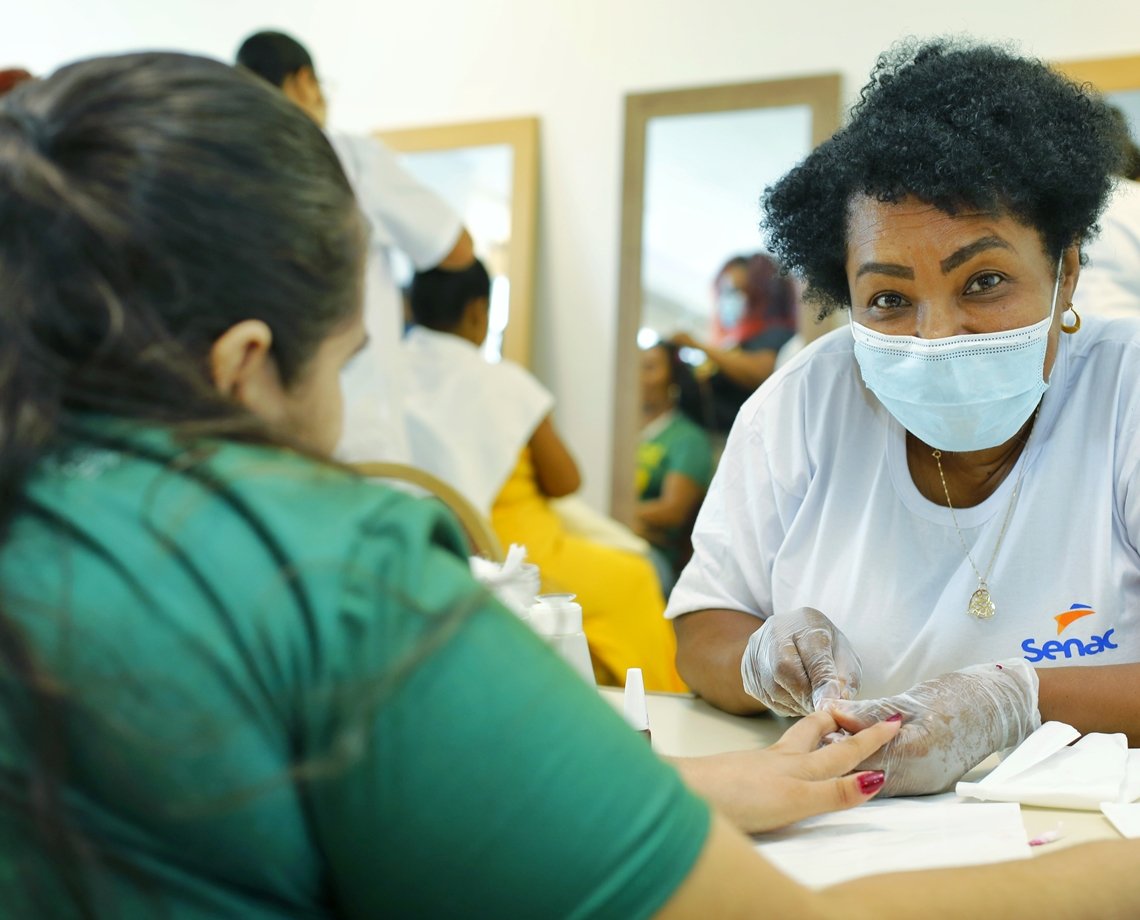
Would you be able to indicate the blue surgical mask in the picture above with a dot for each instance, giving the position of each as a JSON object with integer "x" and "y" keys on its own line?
{"x": 961, "y": 393}
{"x": 730, "y": 304}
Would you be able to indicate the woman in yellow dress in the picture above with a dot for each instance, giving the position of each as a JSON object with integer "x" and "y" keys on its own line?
{"x": 487, "y": 430}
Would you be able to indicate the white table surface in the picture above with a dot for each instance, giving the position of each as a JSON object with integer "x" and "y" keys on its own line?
{"x": 685, "y": 726}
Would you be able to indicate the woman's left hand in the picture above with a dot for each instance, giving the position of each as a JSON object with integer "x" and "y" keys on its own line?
{"x": 792, "y": 779}
{"x": 950, "y": 724}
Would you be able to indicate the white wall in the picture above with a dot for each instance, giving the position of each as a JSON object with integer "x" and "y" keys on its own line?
{"x": 570, "y": 62}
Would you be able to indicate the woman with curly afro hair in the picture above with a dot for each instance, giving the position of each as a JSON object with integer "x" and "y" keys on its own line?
{"x": 930, "y": 513}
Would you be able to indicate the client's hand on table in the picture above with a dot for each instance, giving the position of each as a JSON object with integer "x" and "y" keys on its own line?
{"x": 798, "y": 659}
{"x": 792, "y": 779}
{"x": 950, "y": 724}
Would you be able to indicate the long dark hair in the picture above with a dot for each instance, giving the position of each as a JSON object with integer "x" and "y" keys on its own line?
{"x": 692, "y": 401}
{"x": 147, "y": 203}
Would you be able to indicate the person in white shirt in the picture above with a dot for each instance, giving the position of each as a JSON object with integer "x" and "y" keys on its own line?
{"x": 1110, "y": 276}
{"x": 1110, "y": 280}
{"x": 402, "y": 214}
{"x": 933, "y": 512}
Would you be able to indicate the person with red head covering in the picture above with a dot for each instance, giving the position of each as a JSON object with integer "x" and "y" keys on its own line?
{"x": 754, "y": 316}
{"x": 12, "y": 77}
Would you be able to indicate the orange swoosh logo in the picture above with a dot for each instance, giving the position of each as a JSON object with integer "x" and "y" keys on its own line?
{"x": 1069, "y": 617}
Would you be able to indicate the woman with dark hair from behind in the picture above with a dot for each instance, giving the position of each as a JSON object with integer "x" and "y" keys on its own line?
{"x": 674, "y": 458}
{"x": 487, "y": 429}
{"x": 237, "y": 681}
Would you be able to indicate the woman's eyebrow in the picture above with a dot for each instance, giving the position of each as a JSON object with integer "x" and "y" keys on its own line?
{"x": 886, "y": 268}
{"x": 967, "y": 252}
{"x": 948, "y": 264}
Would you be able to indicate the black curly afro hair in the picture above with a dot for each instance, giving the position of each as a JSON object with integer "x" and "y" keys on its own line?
{"x": 961, "y": 127}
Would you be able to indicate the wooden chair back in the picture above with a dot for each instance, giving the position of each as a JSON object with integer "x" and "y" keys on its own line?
{"x": 484, "y": 542}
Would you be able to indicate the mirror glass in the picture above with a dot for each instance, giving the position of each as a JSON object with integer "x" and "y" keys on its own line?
{"x": 476, "y": 182}
{"x": 696, "y": 163}
{"x": 1128, "y": 101}
{"x": 1118, "y": 78}
{"x": 488, "y": 172}
{"x": 703, "y": 175}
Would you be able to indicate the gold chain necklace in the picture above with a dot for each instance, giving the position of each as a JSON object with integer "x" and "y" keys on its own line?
{"x": 981, "y": 604}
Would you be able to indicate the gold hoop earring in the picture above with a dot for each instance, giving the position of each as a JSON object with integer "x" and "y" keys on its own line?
{"x": 1065, "y": 327}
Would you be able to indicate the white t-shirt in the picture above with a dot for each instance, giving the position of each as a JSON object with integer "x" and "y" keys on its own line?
{"x": 468, "y": 420}
{"x": 1109, "y": 284}
{"x": 813, "y": 505}
{"x": 402, "y": 214}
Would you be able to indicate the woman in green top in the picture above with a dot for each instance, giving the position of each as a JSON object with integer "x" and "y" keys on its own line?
{"x": 237, "y": 681}
{"x": 674, "y": 459}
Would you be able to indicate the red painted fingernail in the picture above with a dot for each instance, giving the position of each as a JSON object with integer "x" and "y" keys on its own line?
{"x": 870, "y": 783}
{"x": 897, "y": 717}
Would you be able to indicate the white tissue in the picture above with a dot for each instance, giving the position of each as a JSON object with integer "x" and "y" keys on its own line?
{"x": 1125, "y": 817}
{"x": 1047, "y": 771}
{"x": 515, "y": 582}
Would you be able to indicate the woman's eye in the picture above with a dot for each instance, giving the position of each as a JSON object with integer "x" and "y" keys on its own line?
{"x": 888, "y": 301}
{"x": 984, "y": 282}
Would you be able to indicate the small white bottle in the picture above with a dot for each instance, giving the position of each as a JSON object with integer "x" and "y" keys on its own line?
{"x": 636, "y": 711}
{"x": 558, "y": 619}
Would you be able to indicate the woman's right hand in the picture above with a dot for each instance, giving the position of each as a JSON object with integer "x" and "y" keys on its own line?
{"x": 798, "y": 659}
{"x": 792, "y": 779}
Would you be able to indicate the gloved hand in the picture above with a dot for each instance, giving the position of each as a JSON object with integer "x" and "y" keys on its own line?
{"x": 798, "y": 659}
{"x": 950, "y": 724}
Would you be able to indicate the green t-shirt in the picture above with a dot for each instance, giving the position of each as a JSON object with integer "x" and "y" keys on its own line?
{"x": 287, "y": 698}
{"x": 678, "y": 447}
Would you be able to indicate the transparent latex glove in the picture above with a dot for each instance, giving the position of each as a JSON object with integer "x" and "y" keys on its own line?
{"x": 798, "y": 659}
{"x": 950, "y": 724}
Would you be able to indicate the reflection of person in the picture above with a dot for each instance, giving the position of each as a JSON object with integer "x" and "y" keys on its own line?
{"x": 754, "y": 317}
{"x": 402, "y": 214}
{"x": 487, "y": 430}
{"x": 12, "y": 77}
{"x": 906, "y": 479}
{"x": 228, "y": 664}
{"x": 1110, "y": 277}
{"x": 674, "y": 458}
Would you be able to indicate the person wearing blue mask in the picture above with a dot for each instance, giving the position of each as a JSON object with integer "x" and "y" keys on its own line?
{"x": 237, "y": 680}
{"x": 930, "y": 511}
{"x": 754, "y": 316}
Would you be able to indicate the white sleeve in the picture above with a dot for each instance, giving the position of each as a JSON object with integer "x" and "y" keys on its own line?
{"x": 416, "y": 220}
{"x": 1110, "y": 282}
{"x": 1126, "y": 450}
{"x": 738, "y": 532}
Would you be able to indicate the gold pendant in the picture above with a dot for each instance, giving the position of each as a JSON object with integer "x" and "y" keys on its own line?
{"x": 981, "y": 606}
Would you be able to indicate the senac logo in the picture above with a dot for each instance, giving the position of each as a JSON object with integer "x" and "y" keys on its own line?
{"x": 1053, "y": 649}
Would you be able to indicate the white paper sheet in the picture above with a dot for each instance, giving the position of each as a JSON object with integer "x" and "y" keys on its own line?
{"x": 895, "y": 835}
{"x": 1046, "y": 771}
{"x": 1125, "y": 817}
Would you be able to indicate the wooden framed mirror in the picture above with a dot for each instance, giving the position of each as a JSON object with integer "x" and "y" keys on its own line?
{"x": 488, "y": 172}
{"x": 696, "y": 162}
{"x": 1117, "y": 78}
